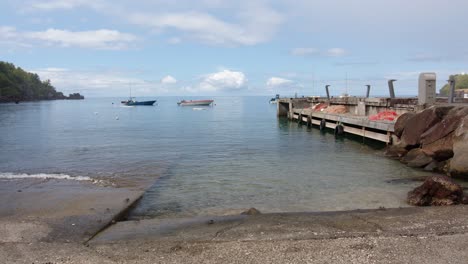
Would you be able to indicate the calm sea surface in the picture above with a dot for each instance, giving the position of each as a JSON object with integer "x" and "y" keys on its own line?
{"x": 218, "y": 160}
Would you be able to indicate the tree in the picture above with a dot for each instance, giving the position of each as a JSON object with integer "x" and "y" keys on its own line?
{"x": 461, "y": 82}
{"x": 19, "y": 85}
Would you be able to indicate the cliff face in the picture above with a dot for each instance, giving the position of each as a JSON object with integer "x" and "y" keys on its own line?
{"x": 18, "y": 85}
{"x": 435, "y": 139}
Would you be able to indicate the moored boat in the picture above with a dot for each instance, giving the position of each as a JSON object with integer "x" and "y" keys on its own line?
{"x": 195, "y": 102}
{"x": 131, "y": 102}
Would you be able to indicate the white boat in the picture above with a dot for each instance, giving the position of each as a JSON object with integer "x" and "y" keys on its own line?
{"x": 195, "y": 102}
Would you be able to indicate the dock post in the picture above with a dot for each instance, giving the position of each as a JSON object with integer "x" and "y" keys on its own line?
{"x": 390, "y": 88}
{"x": 452, "y": 90}
{"x": 328, "y": 91}
{"x": 368, "y": 91}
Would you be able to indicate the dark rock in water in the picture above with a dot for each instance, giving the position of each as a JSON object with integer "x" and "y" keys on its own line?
{"x": 395, "y": 152}
{"x": 75, "y": 96}
{"x": 433, "y": 166}
{"x": 251, "y": 211}
{"x": 416, "y": 158}
{"x": 417, "y": 125}
{"x": 458, "y": 166}
{"x": 437, "y": 191}
{"x": 401, "y": 123}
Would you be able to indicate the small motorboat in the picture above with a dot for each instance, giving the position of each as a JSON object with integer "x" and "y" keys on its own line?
{"x": 195, "y": 102}
{"x": 132, "y": 102}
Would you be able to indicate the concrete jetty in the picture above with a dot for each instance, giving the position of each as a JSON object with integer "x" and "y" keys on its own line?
{"x": 358, "y": 110}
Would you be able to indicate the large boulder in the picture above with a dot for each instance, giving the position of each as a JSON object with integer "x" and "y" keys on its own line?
{"x": 416, "y": 158}
{"x": 436, "y": 190}
{"x": 418, "y": 124}
{"x": 441, "y": 149}
{"x": 401, "y": 122}
{"x": 449, "y": 123}
{"x": 459, "y": 163}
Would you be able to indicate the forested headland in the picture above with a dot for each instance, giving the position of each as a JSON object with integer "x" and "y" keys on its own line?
{"x": 461, "y": 83}
{"x": 18, "y": 85}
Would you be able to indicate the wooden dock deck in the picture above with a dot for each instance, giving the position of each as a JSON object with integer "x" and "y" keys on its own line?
{"x": 353, "y": 124}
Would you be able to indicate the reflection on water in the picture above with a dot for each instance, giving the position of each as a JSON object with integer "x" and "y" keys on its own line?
{"x": 230, "y": 157}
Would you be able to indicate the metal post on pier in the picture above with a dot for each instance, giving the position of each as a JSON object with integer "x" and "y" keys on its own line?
{"x": 452, "y": 90}
{"x": 328, "y": 91}
{"x": 368, "y": 90}
{"x": 391, "y": 88}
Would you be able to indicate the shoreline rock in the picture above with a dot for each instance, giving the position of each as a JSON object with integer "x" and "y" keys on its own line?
{"x": 435, "y": 139}
{"x": 436, "y": 191}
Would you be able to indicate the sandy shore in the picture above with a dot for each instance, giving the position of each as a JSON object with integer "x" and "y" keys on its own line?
{"x": 61, "y": 221}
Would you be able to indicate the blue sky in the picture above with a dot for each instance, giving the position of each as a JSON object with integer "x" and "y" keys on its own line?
{"x": 218, "y": 47}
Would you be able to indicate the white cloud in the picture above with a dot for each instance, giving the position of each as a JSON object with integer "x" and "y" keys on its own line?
{"x": 103, "y": 39}
{"x": 304, "y": 51}
{"x": 168, "y": 80}
{"x": 424, "y": 57}
{"x": 98, "y": 82}
{"x": 207, "y": 21}
{"x": 64, "y": 4}
{"x": 7, "y": 32}
{"x": 174, "y": 40}
{"x": 203, "y": 27}
{"x": 225, "y": 80}
{"x": 276, "y": 82}
{"x": 336, "y": 52}
{"x": 96, "y": 39}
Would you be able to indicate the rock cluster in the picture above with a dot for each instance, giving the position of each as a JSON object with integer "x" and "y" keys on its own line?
{"x": 435, "y": 139}
{"x": 437, "y": 191}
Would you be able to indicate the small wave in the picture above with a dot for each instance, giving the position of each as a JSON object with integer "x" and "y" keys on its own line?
{"x": 198, "y": 109}
{"x": 43, "y": 176}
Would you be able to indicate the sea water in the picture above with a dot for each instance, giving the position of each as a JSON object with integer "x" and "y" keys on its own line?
{"x": 221, "y": 159}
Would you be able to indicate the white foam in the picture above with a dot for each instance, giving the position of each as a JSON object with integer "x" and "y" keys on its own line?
{"x": 12, "y": 176}
{"x": 198, "y": 109}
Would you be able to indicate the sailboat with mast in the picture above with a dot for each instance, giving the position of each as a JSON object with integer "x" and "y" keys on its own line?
{"x": 132, "y": 102}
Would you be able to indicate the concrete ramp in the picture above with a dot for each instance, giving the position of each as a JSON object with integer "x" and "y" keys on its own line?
{"x": 59, "y": 210}
{"x": 294, "y": 226}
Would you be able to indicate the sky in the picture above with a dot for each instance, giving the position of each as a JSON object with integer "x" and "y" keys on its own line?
{"x": 221, "y": 48}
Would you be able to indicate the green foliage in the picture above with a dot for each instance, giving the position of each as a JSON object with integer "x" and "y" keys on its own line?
{"x": 461, "y": 82}
{"x": 19, "y": 85}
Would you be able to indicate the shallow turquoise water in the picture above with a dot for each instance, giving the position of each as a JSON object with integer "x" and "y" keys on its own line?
{"x": 219, "y": 160}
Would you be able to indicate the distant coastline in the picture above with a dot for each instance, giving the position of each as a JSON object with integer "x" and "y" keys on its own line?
{"x": 17, "y": 85}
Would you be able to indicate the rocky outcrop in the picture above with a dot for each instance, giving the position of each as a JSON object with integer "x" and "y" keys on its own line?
{"x": 440, "y": 150}
{"x": 75, "y": 96}
{"x": 436, "y": 190}
{"x": 416, "y": 158}
{"x": 401, "y": 123}
{"x": 459, "y": 162}
{"x": 395, "y": 152}
{"x": 435, "y": 138}
{"x": 417, "y": 125}
{"x": 447, "y": 125}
